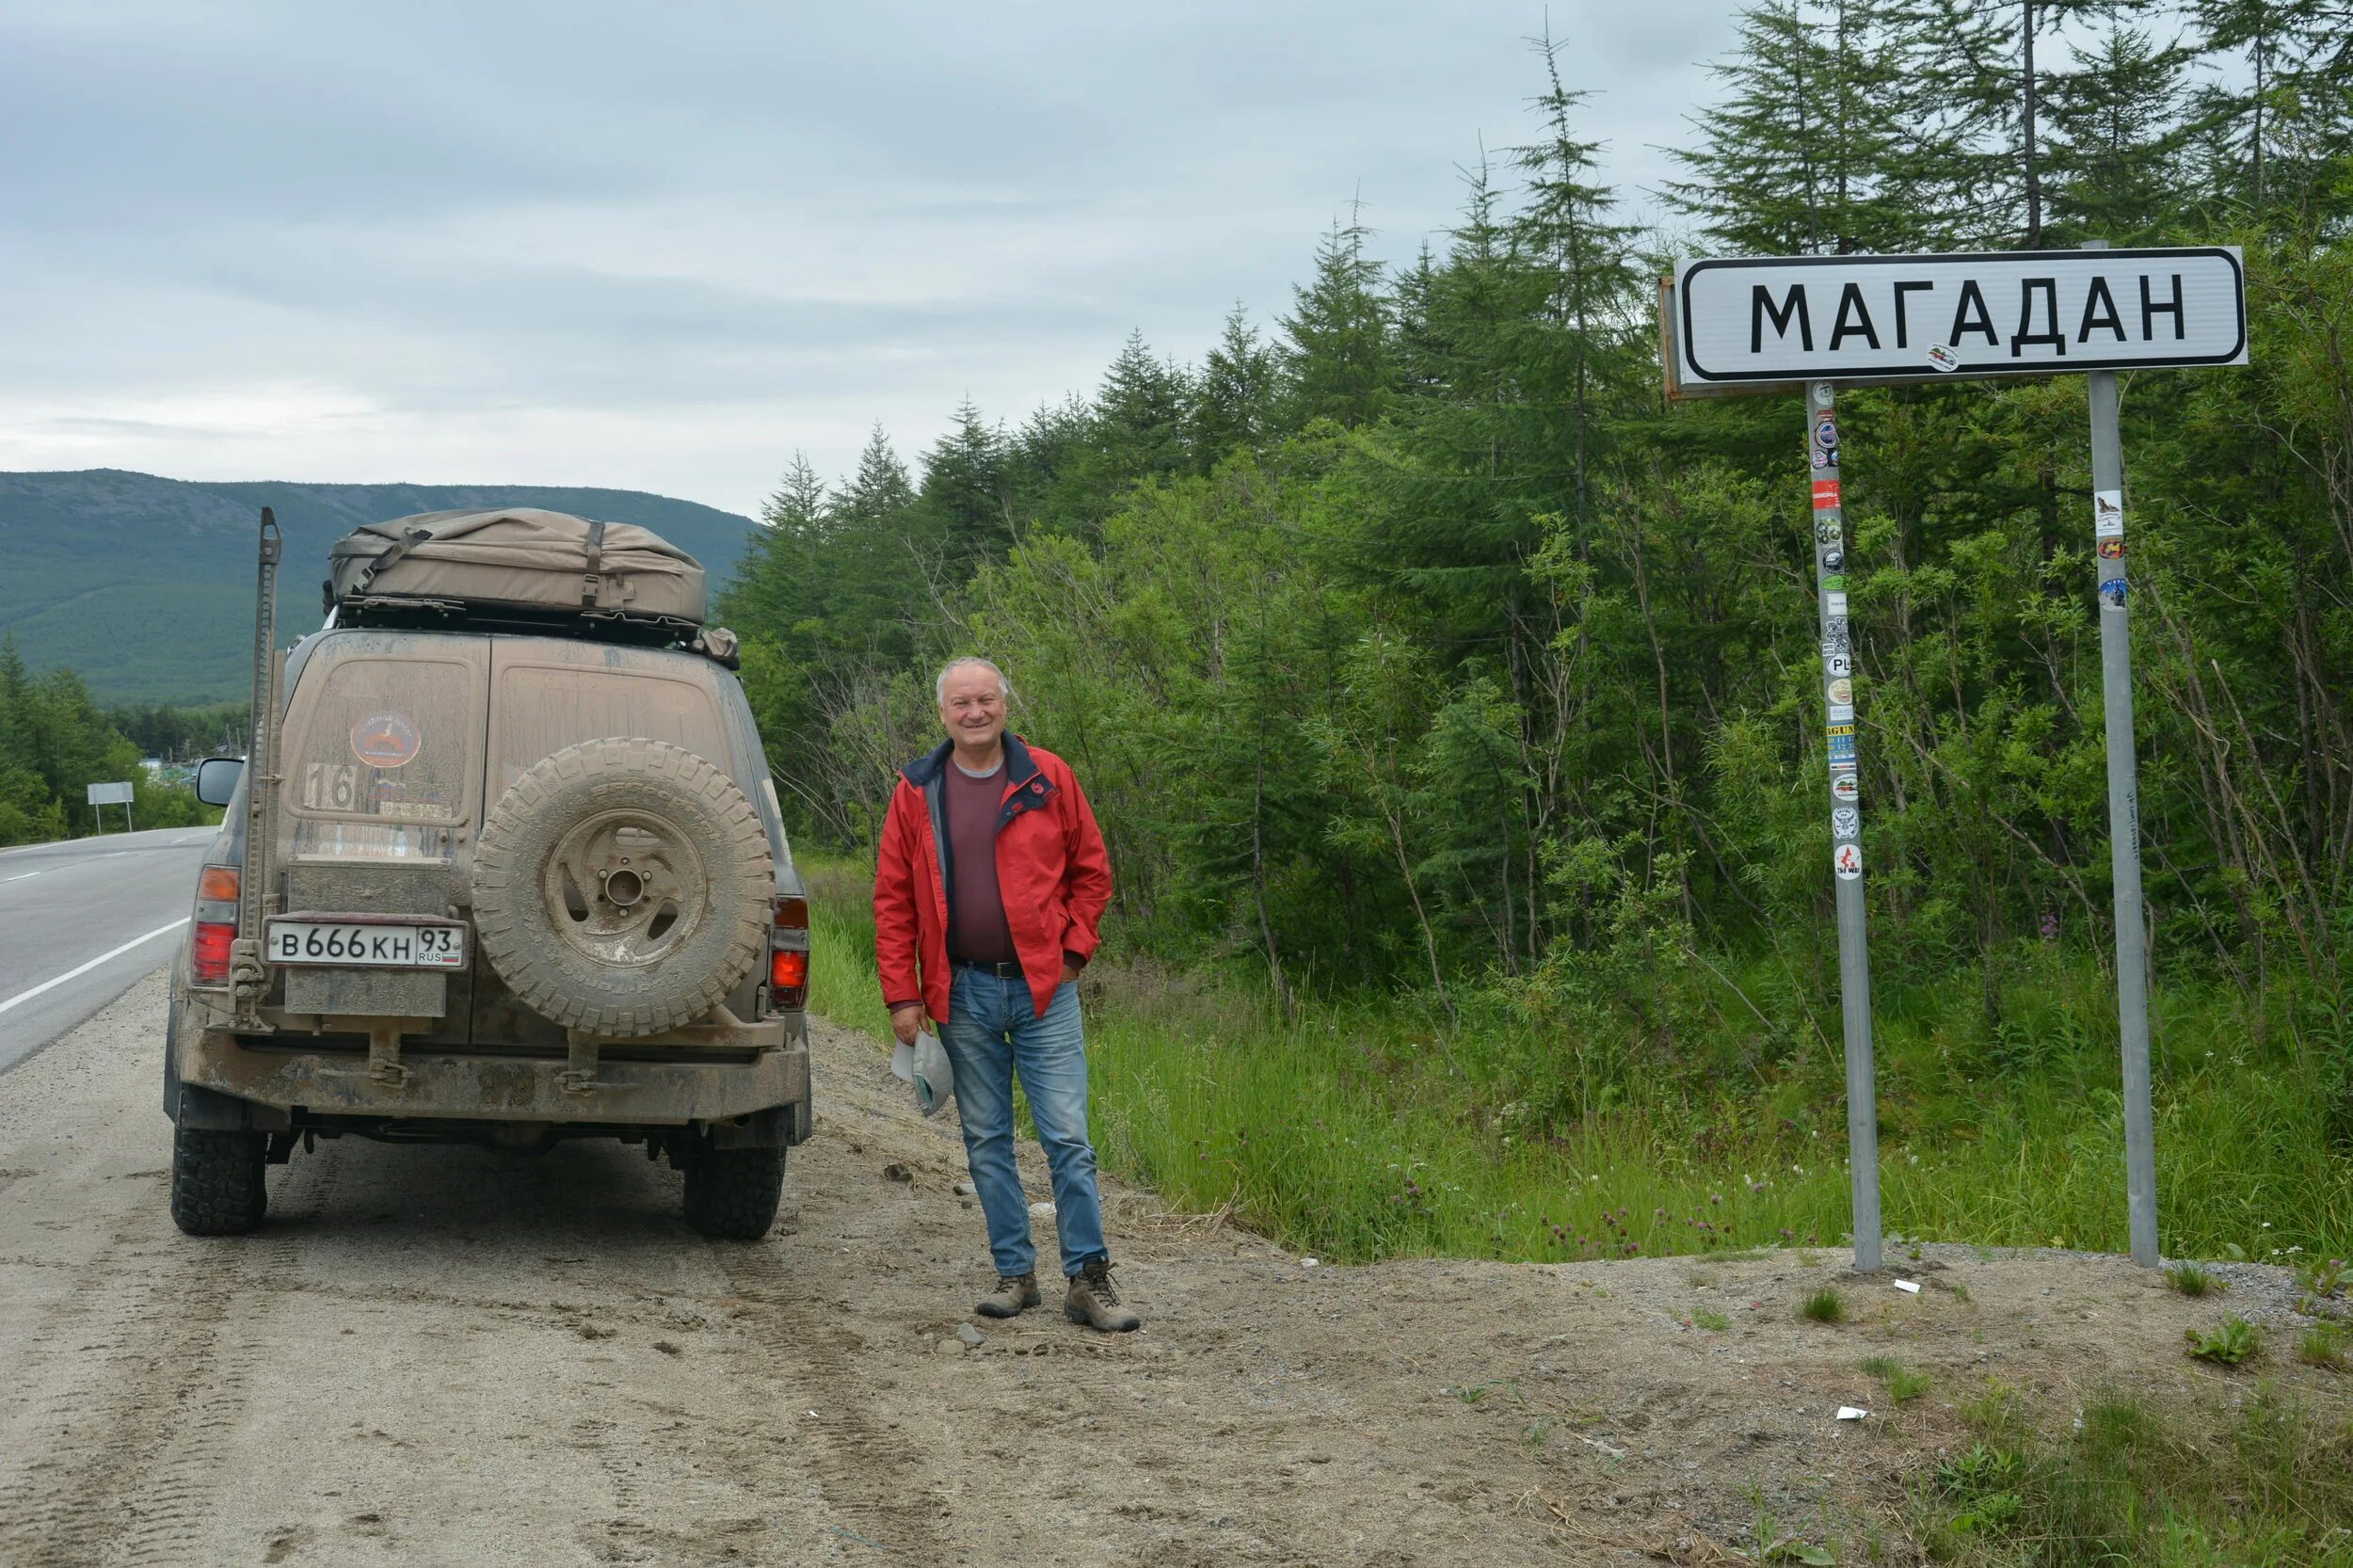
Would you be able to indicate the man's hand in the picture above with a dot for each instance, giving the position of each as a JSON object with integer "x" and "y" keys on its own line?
{"x": 1069, "y": 971}
{"x": 905, "y": 1021}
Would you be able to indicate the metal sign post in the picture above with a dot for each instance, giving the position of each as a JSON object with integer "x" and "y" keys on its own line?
{"x": 1731, "y": 326}
{"x": 1845, "y": 822}
{"x": 2132, "y": 940}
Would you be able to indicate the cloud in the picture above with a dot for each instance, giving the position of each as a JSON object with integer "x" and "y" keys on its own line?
{"x": 664, "y": 247}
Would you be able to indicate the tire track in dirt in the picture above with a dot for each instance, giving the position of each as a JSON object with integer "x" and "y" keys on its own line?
{"x": 861, "y": 1471}
{"x": 143, "y": 1433}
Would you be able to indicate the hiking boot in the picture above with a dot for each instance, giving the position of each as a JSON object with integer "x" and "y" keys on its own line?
{"x": 1013, "y": 1294}
{"x": 1095, "y": 1300}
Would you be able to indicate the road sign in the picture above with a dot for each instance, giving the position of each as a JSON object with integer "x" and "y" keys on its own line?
{"x": 1767, "y": 323}
{"x": 110, "y": 794}
{"x": 1782, "y": 322}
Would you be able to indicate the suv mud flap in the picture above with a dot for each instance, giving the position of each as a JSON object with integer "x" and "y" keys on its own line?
{"x": 761, "y": 1129}
{"x": 210, "y": 1110}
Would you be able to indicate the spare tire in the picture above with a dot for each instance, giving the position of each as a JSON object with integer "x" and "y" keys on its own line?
{"x": 622, "y": 887}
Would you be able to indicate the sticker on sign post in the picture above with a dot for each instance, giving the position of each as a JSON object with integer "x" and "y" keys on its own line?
{"x": 1825, "y": 494}
{"x": 1826, "y": 432}
{"x": 1845, "y": 785}
{"x": 1846, "y": 822}
{"x": 1842, "y": 690}
{"x": 2107, "y": 514}
{"x": 2112, "y": 593}
{"x": 1943, "y": 358}
{"x": 1837, "y": 605}
{"x": 1847, "y": 859}
{"x": 2111, "y": 550}
{"x": 1842, "y": 743}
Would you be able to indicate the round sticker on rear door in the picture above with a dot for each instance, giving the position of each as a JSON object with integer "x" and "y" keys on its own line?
{"x": 385, "y": 739}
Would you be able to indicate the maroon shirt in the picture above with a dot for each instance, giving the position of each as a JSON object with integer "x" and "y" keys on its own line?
{"x": 977, "y": 932}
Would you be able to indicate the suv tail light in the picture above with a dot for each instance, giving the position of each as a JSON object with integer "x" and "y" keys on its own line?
{"x": 208, "y": 955}
{"x": 788, "y": 956}
{"x": 217, "y": 890}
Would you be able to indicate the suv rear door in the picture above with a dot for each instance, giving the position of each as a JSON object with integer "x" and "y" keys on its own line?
{"x": 382, "y": 759}
{"x": 546, "y": 694}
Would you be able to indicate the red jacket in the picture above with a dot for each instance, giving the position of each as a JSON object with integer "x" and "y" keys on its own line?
{"x": 1051, "y": 871}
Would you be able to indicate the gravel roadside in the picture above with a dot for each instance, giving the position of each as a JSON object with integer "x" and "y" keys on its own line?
{"x": 450, "y": 1356}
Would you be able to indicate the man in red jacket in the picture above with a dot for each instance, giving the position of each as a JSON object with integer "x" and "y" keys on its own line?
{"x": 989, "y": 883}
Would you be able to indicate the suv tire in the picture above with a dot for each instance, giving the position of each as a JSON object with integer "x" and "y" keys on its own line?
{"x": 216, "y": 1181}
{"x": 732, "y": 1194}
{"x": 623, "y": 887}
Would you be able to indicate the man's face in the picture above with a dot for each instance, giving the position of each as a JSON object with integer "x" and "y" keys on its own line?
{"x": 973, "y": 709}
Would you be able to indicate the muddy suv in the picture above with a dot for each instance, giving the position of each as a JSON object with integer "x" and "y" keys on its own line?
{"x": 494, "y": 876}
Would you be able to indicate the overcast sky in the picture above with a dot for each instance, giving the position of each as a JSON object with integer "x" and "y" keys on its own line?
{"x": 661, "y": 246}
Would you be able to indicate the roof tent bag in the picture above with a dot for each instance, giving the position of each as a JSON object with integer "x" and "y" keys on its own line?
{"x": 521, "y": 562}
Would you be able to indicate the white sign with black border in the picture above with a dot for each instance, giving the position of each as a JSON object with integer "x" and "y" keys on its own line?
{"x": 1743, "y": 323}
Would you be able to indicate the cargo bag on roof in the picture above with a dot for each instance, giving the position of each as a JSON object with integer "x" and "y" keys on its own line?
{"x": 521, "y": 564}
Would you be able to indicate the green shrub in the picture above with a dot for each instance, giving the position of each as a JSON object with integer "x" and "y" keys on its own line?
{"x": 2227, "y": 1344}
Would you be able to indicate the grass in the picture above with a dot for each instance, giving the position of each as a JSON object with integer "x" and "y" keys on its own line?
{"x": 2132, "y": 1479}
{"x": 1714, "y": 1322}
{"x": 2189, "y": 1279}
{"x": 1903, "y": 1383}
{"x": 1823, "y": 1307}
{"x": 2322, "y": 1345}
{"x": 1366, "y": 1128}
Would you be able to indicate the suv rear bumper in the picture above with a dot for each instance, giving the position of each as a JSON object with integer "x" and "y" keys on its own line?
{"x": 661, "y": 1088}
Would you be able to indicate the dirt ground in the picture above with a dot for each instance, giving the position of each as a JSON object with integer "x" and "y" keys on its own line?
{"x": 448, "y": 1356}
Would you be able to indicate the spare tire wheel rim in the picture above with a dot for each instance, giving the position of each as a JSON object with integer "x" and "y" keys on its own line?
{"x": 625, "y": 888}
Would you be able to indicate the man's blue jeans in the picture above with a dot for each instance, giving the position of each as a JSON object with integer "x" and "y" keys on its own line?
{"x": 992, "y": 1030}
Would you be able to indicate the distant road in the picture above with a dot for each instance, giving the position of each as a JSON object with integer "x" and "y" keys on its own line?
{"x": 80, "y": 921}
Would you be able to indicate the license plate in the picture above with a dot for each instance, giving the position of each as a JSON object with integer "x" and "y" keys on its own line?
{"x": 367, "y": 945}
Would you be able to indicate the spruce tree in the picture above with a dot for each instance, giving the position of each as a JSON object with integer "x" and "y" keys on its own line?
{"x": 1233, "y": 406}
{"x": 1337, "y": 348}
{"x": 963, "y": 499}
{"x": 1580, "y": 349}
{"x": 1812, "y": 150}
{"x": 776, "y": 583}
{"x": 2117, "y": 139}
{"x": 1141, "y": 414}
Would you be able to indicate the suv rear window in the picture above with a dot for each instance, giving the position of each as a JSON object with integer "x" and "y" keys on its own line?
{"x": 544, "y": 707}
{"x": 382, "y": 740}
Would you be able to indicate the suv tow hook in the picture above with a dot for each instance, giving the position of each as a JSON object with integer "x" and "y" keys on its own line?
{"x": 384, "y": 1063}
{"x": 579, "y": 1076}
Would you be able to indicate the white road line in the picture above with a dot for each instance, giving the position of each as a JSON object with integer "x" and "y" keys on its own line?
{"x": 83, "y": 969}
{"x": 19, "y": 877}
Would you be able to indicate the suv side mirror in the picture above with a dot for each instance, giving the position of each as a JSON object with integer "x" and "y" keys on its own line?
{"x": 216, "y": 779}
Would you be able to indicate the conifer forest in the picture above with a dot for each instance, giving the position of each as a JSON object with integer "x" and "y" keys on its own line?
{"x": 1451, "y": 705}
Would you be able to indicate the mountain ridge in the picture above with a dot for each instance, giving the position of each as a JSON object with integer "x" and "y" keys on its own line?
{"x": 144, "y": 583}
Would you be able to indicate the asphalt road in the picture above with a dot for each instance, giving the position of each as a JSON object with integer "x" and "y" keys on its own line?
{"x": 80, "y": 921}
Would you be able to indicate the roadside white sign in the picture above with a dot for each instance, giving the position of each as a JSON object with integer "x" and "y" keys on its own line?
{"x": 110, "y": 794}
{"x": 1734, "y": 323}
